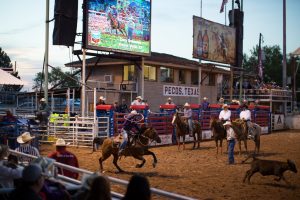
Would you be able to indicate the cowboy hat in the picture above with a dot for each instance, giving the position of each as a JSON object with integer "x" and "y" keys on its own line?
{"x": 102, "y": 98}
{"x": 169, "y": 99}
{"x": 186, "y": 104}
{"x": 25, "y": 137}
{"x": 134, "y": 112}
{"x": 225, "y": 106}
{"x": 139, "y": 97}
{"x": 61, "y": 142}
{"x": 204, "y": 98}
{"x": 42, "y": 99}
{"x": 227, "y": 123}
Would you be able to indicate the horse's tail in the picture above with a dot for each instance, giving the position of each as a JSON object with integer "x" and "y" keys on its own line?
{"x": 97, "y": 141}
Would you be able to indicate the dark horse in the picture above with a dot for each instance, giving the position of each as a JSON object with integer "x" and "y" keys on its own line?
{"x": 241, "y": 130}
{"x": 218, "y": 132}
{"x": 138, "y": 148}
{"x": 182, "y": 129}
{"x": 116, "y": 24}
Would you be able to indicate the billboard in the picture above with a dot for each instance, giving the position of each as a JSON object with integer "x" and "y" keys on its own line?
{"x": 213, "y": 41}
{"x": 118, "y": 26}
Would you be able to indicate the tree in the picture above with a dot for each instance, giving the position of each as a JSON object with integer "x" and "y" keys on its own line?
{"x": 54, "y": 78}
{"x": 6, "y": 63}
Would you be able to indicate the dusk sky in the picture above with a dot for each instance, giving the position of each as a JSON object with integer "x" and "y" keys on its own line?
{"x": 22, "y": 29}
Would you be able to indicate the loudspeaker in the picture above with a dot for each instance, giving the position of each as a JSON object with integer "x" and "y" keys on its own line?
{"x": 239, "y": 25}
{"x": 65, "y": 15}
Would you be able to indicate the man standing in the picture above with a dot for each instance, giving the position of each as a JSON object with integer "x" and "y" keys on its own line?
{"x": 43, "y": 112}
{"x": 61, "y": 155}
{"x": 169, "y": 101}
{"x": 25, "y": 147}
{"x": 231, "y": 141}
{"x": 205, "y": 104}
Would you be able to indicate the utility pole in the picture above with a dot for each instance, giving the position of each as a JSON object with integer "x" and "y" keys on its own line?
{"x": 284, "y": 55}
{"x": 46, "y": 53}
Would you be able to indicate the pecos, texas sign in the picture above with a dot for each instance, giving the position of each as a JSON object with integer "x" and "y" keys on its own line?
{"x": 173, "y": 90}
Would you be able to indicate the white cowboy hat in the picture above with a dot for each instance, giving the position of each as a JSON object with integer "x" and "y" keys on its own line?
{"x": 186, "y": 105}
{"x": 102, "y": 98}
{"x": 205, "y": 98}
{"x": 227, "y": 123}
{"x": 169, "y": 99}
{"x": 134, "y": 112}
{"x": 42, "y": 99}
{"x": 25, "y": 137}
{"x": 225, "y": 105}
{"x": 139, "y": 97}
{"x": 61, "y": 142}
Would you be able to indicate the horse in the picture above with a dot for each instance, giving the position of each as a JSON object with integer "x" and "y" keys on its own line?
{"x": 241, "y": 130}
{"x": 218, "y": 131}
{"x": 182, "y": 129}
{"x": 136, "y": 148}
{"x": 116, "y": 24}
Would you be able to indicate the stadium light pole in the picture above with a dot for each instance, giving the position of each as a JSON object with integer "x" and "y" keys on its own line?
{"x": 46, "y": 52}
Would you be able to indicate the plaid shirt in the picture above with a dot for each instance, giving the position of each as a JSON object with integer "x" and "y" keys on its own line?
{"x": 28, "y": 149}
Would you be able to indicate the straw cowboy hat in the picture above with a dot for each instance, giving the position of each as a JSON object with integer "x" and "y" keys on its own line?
{"x": 205, "y": 98}
{"x": 25, "y": 137}
{"x": 133, "y": 112}
{"x": 227, "y": 123}
{"x": 186, "y": 105}
{"x": 139, "y": 97}
{"x": 42, "y": 99}
{"x": 225, "y": 106}
{"x": 102, "y": 98}
{"x": 61, "y": 142}
{"x": 169, "y": 99}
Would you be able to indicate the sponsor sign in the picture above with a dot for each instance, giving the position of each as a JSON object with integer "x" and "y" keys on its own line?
{"x": 173, "y": 90}
{"x": 278, "y": 122}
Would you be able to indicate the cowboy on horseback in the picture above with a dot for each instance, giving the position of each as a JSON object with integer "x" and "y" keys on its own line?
{"x": 188, "y": 116}
{"x": 245, "y": 115}
{"x": 129, "y": 124}
{"x": 225, "y": 114}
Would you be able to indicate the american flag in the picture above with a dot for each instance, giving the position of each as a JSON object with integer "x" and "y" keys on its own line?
{"x": 222, "y": 6}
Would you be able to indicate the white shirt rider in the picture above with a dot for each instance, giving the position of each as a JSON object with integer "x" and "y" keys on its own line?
{"x": 245, "y": 115}
{"x": 225, "y": 114}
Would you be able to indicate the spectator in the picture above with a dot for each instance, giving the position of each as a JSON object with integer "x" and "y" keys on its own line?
{"x": 25, "y": 147}
{"x": 138, "y": 188}
{"x": 205, "y": 104}
{"x": 8, "y": 122}
{"x": 100, "y": 189}
{"x": 43, "y": 112}
{"x": 231, "y": 141}
{"x": 116, "y": 107}
{"x": 221, "y": 101}
{"x": 101, "y": 101}
{"x": 138, "y": 101}
{"x": 188, "y": 113}
{"x": 245, "y": 115}
{"x": 225, "y": 114}
{"x": 124, "y": 107}
{"x": 7, "y": 173}
{"x": 169, "y": 101}
{"x": 61, "y": 155}
{"x": 33, "y": 181}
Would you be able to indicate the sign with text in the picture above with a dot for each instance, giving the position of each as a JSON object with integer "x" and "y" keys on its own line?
{"x": 118, "y": 26}
{"x": 173, "y": 90}
{"x": 213, "y": 41}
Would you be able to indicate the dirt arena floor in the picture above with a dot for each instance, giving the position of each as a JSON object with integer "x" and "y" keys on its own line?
{"x": 201, "y": 174}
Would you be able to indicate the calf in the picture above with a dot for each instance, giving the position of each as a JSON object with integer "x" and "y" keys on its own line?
{"x": 270, "y": 167}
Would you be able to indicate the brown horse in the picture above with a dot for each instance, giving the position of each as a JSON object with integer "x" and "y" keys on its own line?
{"x": 116, "y": 24}
{"x": 182, "y": 129}
{"x": 138, "y": 148}
{"x": 241, "y": 130}
{"x": 218, "y": 131}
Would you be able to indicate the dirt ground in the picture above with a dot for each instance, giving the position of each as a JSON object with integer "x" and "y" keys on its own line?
{"x": 203, "y": 175}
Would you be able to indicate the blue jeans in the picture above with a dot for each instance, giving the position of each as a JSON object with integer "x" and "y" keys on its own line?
{"x": 190, "y": 122}
{"x": 231, "y": 144}
{"x": 125, "y": 139}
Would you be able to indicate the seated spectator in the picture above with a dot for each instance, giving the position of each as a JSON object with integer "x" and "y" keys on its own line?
{"x": 101, "y": 101}
{"x": 205, "y": 104}
{"x": 33, "y": 181}
{"x": 7, "y": 173}
{"x": 221, "y": 101}
{"x": 100, "y": 189}
{"x": 138, "y": 188}
{"x": 116, "y": 107}
{"x": 63, "y": 156}
{"x": 8, "y": 122}
{"x": 170, "y": 101}
{"x": 138, "y": 101}
{"x": 124, "y": 107}
{"x": 25, "y": 147}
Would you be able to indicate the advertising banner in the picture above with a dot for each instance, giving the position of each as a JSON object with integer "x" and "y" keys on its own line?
{"x": 173, "y": 90}
{"x": 118, "y": 26}
{"x": 213, "y": 41}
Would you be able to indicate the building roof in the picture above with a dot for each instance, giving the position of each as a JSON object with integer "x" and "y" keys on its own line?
{"x": 154, "y": 58}
{"x": 8, "y": 79}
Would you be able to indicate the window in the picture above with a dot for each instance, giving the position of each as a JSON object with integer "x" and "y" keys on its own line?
{"x": 181, "y": 76}
{"x": 211, "y": 79}
{"x": 194, "y": 78}
{"x": 166, "y": 75}
{"x": 128, "y": 73}
{"x": 150, "y": 73}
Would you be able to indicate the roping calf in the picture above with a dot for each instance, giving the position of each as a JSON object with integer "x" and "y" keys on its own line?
{"x": 270, "y": 167}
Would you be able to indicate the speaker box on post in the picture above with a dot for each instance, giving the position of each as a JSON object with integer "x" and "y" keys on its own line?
{"x": 65, "y": 15}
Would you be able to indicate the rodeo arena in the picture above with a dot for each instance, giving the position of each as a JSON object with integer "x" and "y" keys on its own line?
{"x": 129, "y": 119}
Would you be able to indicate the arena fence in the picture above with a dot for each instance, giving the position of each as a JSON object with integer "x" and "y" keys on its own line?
{"x": 76, "y": 184}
